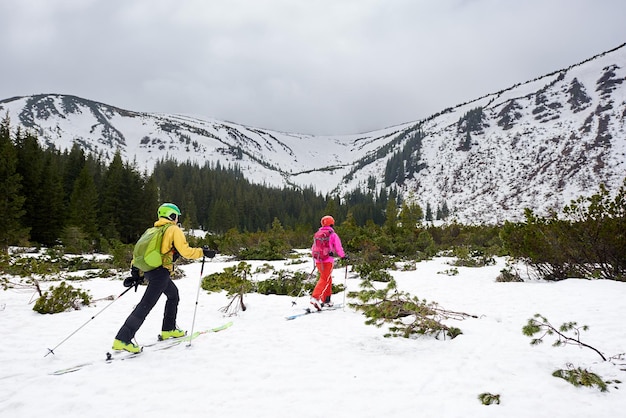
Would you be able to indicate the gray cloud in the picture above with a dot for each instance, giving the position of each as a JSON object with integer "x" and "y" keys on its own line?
{"x": 321, "y": 67}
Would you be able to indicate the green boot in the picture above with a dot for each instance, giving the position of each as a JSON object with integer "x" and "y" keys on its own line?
{"x": 130, "y": 347}
{"x": 175, "y": 333}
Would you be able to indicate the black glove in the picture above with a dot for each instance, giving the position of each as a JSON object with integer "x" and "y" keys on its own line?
{"x": 135, "y": 278}
{"x": 331, "y": 254}
{"x": 131, "y": 281}
{"x": 208, "y": 252}
{"x": 345, "y": 257}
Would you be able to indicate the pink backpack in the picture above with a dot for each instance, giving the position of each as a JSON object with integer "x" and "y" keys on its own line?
{"x": 321, "y": 244}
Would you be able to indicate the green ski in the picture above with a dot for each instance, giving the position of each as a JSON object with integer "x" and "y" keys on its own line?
{"x": 159, "y": 345}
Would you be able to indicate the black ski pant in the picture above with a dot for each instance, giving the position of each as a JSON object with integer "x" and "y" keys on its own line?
{"x": 159, "y": 282}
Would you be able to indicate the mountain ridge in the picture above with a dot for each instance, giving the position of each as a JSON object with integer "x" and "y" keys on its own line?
{"x": 537, "y": 144}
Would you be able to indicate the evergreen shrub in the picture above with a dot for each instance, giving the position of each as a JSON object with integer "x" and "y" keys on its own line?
{"x": 407, "y": 316}
{"x": 582, "y": 377}
{"x": 489, "y": 398}
{"x": 62, "y": 298}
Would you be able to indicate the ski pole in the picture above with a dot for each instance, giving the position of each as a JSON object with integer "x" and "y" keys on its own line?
{"x": 195, "y": 309}
{"x": 51, "y": 350}
{"x": 293, "y": 302}
{"x": 345, "y": 288}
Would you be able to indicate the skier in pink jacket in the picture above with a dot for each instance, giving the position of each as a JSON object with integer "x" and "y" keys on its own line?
{"x": 325, "y": 261}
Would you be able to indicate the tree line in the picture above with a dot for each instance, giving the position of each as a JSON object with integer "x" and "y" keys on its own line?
{"x": 52, "y": 197}
{"x": 77, "y": 200}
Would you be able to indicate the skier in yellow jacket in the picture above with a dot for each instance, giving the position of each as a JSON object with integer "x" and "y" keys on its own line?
{"x": 173, "y": 244}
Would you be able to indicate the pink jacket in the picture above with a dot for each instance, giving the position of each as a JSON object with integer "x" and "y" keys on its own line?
{"x": 335, "y": 245}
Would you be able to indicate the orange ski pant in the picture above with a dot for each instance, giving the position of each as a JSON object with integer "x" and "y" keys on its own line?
{"x": 324, "y": 287}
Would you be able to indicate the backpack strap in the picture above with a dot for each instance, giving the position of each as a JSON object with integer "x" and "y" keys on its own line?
{"x": 164, "y": 228}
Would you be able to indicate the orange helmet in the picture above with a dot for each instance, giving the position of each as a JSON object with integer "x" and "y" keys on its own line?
{"x": 327, "y": 221}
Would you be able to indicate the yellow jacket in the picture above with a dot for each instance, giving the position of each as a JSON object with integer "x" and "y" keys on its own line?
{"x": 173, "y": 238}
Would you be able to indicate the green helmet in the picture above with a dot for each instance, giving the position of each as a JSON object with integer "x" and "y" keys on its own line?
{"x": 169, "y": 211}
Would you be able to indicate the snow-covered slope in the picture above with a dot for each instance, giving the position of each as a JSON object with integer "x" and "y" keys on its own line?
{"x": 538, "y": 144}
{"x": 264, "y": 366}
{"x": 274, "y": 158}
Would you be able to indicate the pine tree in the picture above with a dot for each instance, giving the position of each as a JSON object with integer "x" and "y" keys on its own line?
{"x": 50, "y": 213}
{"x": 429, "y": 213}
{"x": 445, "y": 212}
{"x": 11, "y": 200}
{"x": 411, "y": 215}
{"x": 131, "y": 195}
{"x": 112, "y": 199}
{"x": 74, "y": 161}
{"x": 391, "y": 220}
{"x": 30, "y": 161}
{"x": 149, "y": 201}
{"x": 83, "y": 206}
{"x": 331, "y": 208}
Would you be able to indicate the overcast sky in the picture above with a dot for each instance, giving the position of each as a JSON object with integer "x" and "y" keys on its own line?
{"x": 305, "y": 66}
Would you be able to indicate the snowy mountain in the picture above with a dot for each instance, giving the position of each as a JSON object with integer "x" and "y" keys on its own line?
{"x": 537, "y": 144}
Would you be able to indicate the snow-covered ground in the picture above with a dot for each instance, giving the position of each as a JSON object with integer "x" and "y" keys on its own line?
{"x": 321, "y": 365}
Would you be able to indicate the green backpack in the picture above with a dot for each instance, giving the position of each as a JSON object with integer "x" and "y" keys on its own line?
{"x": 147, "y": 251}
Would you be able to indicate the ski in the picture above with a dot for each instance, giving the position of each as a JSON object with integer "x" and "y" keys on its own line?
{"x": 120, "y": 355}
{"x": 308, "y": 311}
{"x": 158, "y": 345}
{"x": 164, "y": 345}
{"x": 70, "y": 369}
